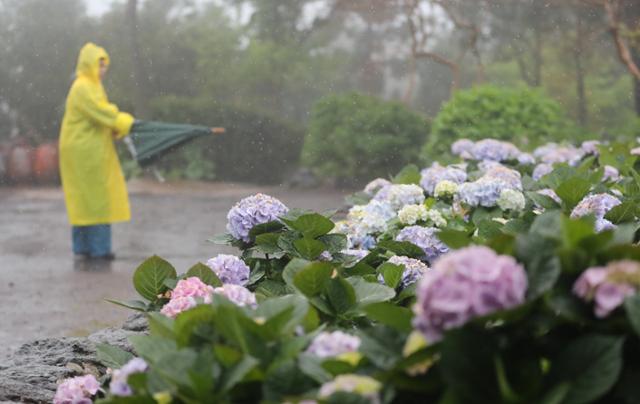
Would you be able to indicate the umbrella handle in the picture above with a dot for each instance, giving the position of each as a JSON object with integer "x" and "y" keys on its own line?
{"x": 131, "y": 147}
{"x": 218, "y": 130}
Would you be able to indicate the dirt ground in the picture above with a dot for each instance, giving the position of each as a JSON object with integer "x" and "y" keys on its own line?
{"x": 45, "y": 293}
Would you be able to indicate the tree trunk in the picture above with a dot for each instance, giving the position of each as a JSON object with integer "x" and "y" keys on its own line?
{"x": 140, "y": 83}
{"x": 580, "y": 71}
{"x": 636, "y": 82}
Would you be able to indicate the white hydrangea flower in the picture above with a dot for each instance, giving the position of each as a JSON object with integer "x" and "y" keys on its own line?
{"x": 411, "y": 214}
{"x": 510, "y": 199}
{"x": 436, "y": 217}
{"x": 445, "y": 189}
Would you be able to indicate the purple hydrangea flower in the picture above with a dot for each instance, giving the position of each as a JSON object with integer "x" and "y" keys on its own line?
{"x": 376, "y": 185}
{"x": 399, "y": 195}
{"x": 590, "y": 147}
{"x": 118, "y": 385}
{"x": 597, "y": 205}
{"x": 331, "y": 344}
{"x": 541, "y": 170}
{"x": 611, "y": 174}
{"x": 425, "y": 238}
{"x": 462, "y": 148}
{"x": 436, "y": 173}
{"x": 413, "y": 270}
{"x": 252, "y": 211}
{"x": 483, "y": 192}
{"x": 230, "y": 269}
{"x": 608, "y": 286}
{"x": 76, "y": 390}
{"x": 526, "y": 159}
{"x": 552, "y": 153}
{"x": 494, "y": 150}
{"x": 237, "y": 294}
{"x": 511, "y": 178}
{"x": 465, "y": 284}
{"x": 551, "y": 194}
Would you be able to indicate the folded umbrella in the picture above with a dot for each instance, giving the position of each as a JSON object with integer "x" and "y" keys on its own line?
{"x": 149, "y": 140}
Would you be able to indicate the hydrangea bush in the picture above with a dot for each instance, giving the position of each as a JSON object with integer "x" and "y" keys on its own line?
{"x": 491, "y": 280}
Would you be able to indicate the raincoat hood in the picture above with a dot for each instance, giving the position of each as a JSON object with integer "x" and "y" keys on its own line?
{"x": 89, "y": 61}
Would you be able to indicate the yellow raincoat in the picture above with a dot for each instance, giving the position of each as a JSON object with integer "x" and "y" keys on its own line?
{"x": 94, "y": 187}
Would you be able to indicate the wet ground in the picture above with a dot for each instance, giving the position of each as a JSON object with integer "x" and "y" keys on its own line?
{"x": 44, "y": 292}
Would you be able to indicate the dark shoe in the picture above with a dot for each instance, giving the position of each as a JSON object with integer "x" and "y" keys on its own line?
{"x": 80, "y": 257}
{"x": 106, "y": 257}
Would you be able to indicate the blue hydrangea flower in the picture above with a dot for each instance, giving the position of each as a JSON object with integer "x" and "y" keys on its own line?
{"x": 230, "y": 269}
{"x": 413, "y": 270}
{"x": 425, "y": 238}
{"x": 436, "y": 173}
{"x": 399, "y": 195}
{"x": 252, "y": 211}
{"x": 484, "y": 192}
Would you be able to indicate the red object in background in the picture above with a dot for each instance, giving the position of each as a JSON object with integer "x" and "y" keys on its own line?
{"x": 44, "y": 163}
{"x": 19, "y": 163}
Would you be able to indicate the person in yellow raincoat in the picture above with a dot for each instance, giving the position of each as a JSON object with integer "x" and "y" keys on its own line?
{"x": 94, "y": 186}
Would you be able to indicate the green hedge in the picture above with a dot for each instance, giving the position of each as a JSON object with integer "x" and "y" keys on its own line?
{"x": 353, "y": 137}
{"x": 256, "y": 147}
{"x": 523, "y": 115}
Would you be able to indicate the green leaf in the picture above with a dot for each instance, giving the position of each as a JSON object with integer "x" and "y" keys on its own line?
{"x": 223, "y": 239}
{"x": 312, "y": 367}
{"x": 293, "y": 267}
{"x": 368, "y": 292}
{"x": 341, "y": 295}
{"x": 311, "y": 280}
{"x": 311, "y": 225}
{"x": 267, "y": 243}
{"x": 632, "y": 307}
{"x": 410, "y": 174}
{"x": 149, "y": 277}
{"x": 488, "y": 229}
{"x": 130, "y": 304}
{"x": 392, "y": 274}
{"x": 468, "y": 365}
{"x": 391, "y": 315}
{"x": 573, "y": 190}
{"x": 161, "y": 325}
{"x": 543, "y": 201}
{"x": 272, "y": 307}
{"x": 152, "y": 347}
{"x": 309, "y": 248}
{"x": 382, "y": 345}
{"x": 454, "y": 238}
{"x": 542, "y": 274}
{"x": 557, "y": 394}
{"x": 625, "y": 212}
{"x": 191, "y": 321}
{"x": 402, "y": 248}
{"x": 112, "y": 356}
{"x": 237, "y": 372}
{"x": 591, "y": 364}
{"x": 263, "y": 228}
{"x": 205, "y": 274}
{"x": 334, "y": 242}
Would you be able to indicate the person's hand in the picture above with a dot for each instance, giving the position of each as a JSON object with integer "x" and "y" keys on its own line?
{"x": 218, "y": 130}
{"x": 114, "y": 134}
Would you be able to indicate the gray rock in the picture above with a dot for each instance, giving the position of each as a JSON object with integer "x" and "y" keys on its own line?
{"x": 32, "y": 372}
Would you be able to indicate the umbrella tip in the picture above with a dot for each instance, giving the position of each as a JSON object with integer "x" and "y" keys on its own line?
{"x": 218, "y": 130}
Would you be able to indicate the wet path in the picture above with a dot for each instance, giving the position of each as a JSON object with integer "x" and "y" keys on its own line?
{"x": 43, "y": 292}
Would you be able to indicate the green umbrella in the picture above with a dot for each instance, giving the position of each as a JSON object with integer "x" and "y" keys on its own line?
{"x": 149, "y": 140}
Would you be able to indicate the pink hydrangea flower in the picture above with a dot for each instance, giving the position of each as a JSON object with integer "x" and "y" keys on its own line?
{"x": 608, "y": 286}
{"x": 178, "y": 305}
{"x": 77, "y": 390}
{"x": 330, "y": 344}
{"x": 237, "y": 294}
{"x": 464, "y": 284}
{"x": 192, "y": 287}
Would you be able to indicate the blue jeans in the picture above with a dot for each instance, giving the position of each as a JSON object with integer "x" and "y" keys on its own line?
{"x": 94, "y": 241}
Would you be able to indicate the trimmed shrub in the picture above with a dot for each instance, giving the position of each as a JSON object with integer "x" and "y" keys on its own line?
{"x": 522, "y": 115}
{"x": 256, "y": 148}
{"x": 353, "y": 137}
